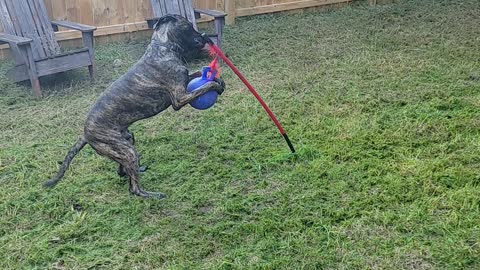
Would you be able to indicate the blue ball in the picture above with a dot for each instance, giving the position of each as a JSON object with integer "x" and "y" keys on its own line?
{"x": 204, "y": 101}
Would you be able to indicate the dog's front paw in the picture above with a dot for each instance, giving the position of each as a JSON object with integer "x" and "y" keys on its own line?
{"x": 222, "y": 85}
{"x": 221, "y": 82}
{"x": 220, "y": 90}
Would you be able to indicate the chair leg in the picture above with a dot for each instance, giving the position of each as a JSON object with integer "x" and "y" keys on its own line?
{"x": 37, "y": 91}
{"x": 91, "y": 71}
{"x": 219, "y": 24}
{"x": 87, "y": 39}
{"x": 26, "y": 51}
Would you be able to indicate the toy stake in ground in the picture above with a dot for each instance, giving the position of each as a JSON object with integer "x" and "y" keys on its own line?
{"x": 216, "y": 51}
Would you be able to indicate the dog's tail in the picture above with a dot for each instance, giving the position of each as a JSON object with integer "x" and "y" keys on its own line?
{"x": 66, "y": 162}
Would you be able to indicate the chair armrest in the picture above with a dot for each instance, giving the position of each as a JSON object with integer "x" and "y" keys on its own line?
{"x": 75, "y": 26}
{"x": 213, "y": 13}
{"x": 7, "y": 38}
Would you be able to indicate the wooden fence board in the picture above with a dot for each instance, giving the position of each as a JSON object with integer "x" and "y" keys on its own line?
{"x": 86, "y": 11}
{"x": 284, "y": 6}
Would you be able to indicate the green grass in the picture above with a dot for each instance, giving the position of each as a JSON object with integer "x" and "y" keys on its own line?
{"x": 381, "y": 102}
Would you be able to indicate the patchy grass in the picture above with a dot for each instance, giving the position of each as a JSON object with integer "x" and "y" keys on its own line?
{"x": 381, "y": 103}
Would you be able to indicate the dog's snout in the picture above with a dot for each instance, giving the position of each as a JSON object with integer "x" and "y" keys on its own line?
{"x": 199, "y": 41}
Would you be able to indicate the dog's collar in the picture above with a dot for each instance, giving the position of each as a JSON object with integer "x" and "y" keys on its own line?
{"x": 169, "y": 45}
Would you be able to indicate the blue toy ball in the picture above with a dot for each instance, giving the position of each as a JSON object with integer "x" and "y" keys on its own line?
{"x": 206, "y": 100}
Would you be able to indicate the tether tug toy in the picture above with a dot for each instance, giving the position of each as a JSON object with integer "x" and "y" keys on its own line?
{"x": 205, "y": 101}
{"x": 217, "y": 52}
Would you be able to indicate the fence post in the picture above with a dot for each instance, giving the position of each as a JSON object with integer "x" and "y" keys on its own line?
{"x": 230, "y": 10}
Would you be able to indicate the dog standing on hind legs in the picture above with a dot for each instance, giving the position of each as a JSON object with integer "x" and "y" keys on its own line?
{"x": 157, "y": 81}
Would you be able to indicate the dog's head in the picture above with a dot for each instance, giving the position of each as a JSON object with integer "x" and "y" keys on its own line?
{"x": 176, "y": 29}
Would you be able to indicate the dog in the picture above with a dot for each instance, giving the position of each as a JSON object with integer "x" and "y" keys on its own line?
{"x": 156, "y": 82}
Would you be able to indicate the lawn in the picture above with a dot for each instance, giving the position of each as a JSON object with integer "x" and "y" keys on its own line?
{"x": 382, "y": 104}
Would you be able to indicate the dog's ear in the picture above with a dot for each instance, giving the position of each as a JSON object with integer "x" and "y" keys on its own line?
{"x": 164, "y": 19}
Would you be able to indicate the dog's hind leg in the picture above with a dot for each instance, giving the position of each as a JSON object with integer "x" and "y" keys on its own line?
{"x": 121, "y": 171}
{"x": 123, "y": 152}
{"x": 130, "y": 138}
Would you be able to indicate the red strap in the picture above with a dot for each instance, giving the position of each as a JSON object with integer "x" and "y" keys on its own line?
{"x": 218, "y": 52}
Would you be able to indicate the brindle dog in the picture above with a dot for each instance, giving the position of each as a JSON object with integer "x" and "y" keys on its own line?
{"x": 158, "y": 80}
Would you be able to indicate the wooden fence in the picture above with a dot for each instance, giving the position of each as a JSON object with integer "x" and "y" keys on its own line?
{"x": 112, "y": 12}
{"x": 117, "y": 19}
{"x": 109, "y": 12}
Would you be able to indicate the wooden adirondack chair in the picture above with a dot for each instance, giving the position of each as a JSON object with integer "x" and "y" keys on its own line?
{"x": 185, "y": 9}
{"x": 30, "y": 34}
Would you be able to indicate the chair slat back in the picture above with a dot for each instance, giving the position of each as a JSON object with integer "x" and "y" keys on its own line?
{"x": 178, "y": 7}
{"x": 29, "y": 18}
